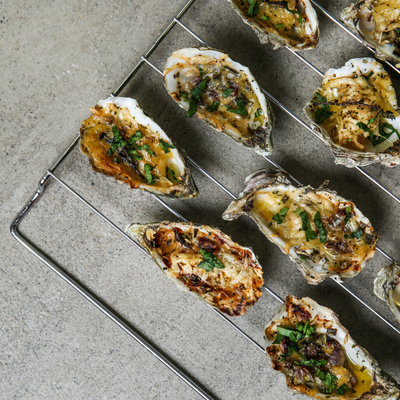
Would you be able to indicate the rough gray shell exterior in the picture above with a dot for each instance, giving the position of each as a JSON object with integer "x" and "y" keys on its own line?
{"x": 386, "y": 281}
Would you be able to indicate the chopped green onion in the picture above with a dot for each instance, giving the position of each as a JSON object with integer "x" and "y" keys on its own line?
{"x": 265, "y": 18}
{"x": 369, "y": 75}
{"x": 342, "y": 389}
{"x": 258, "y": 113}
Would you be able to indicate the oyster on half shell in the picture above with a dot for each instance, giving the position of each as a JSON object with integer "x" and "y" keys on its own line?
{"x": 387, "y": 287}
{"x": 319, "y": 358}
{"x": 355, "y": 113}
{"x": 377, "y": 24}
{"x": 222, "y": 92}
{"x": 204, "y": 261}
{"x": 120, "y": 140}
{"x": 323, "y": 233}
{"x": 291, "y": 23}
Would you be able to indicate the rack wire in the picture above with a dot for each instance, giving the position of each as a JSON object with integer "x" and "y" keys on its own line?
{"x": 90, "y": 297}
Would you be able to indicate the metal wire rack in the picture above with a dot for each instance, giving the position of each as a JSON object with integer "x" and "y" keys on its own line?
{"x": 108, "y": 312}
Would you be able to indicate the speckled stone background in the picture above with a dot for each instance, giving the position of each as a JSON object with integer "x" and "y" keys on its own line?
{"x": 57, "y": 59}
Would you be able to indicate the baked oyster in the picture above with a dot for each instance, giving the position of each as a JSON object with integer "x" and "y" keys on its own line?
{"x": 307, "y": 343}
{"x": 203, "y": 260}
{"x": 355, "y": 113}
{"x": 387, "y": 287}
{"x": 222, "y": 92}
{"x": 291, "y": 23}
{"x": 323, "y": 233}
{"x": 377, "y": 24}
{"x": 121, "y": 141}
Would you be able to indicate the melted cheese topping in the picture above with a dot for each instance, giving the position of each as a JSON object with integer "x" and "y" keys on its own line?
{"x": 360, "y": 101}
{"x": 96, "y": 140}
{"x": 276, "y": 19}
{"x": 220, "y": 78}
{"x": 340, "y": 253}
{"x": 231, "y": 289}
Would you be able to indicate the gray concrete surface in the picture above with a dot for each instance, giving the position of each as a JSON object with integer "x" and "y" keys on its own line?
{"x": 57, "y": 59}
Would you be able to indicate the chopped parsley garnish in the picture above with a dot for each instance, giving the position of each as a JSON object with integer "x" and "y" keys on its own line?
{"x": 279, "y": 26}
{"x": 258, "y": 113}
{"x": 309, "y": 363}
{"x": 148, "y": 175}
{"x": 310, "y": 234}
{"x": 146, "y": 148}
{"x": 371, "y": 121}
{"x": 342, "y": 389}
{"x": 214, "y": 106}
{"x": 135, "y": 155}
{"x": 354, "y": 235}
{"x": 171, "y": 175}
{"x": 227, "y": 93}
{"x": 242, "y": 109}
{"x": 118, "y": 161}
{"x": 210, "y": 262}
{"x": 165, "y": 146}
{"x": 265, "y": 18}
{"x": 253, "y": 9}
{"x": 134, "y": 138}
{"x": 320, "y": 227}
{"x": 328, "y": 379}
{"x": 195, "y": 96}
{"x": 369, "y": 75}
{"x": 278, "y": 218}
{"x": 118, "y": 141}
{"x": 349, "y": 210}
{"x": 324, "y": 112}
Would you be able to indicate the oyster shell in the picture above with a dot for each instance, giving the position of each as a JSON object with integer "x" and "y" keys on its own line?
{"x": 387, "y": 287}
{"x": 291, "y": 23}
{"x": 222, "y": 92}
{"x": 203, "y": 260}
{"x": 121, "y": 141}
{"x": 377, "y": 24}
{"x": 324, "y": 234}
{"x": 307, "y": 342}
{"x": 355, "y": 113}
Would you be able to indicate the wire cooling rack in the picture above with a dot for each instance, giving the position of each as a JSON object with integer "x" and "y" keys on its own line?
{"x": 50, "y": 174}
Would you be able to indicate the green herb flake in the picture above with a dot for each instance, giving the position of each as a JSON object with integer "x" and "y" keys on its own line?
{"x": 192, "y": 109}
{"x": 279, "y": 26}
{"x": 134, "y": 138}
{"x": 258, "y": 113}
{"x": 150, "y": 178}
{"x": 369, "y": 75}
{"x": 306, "y": 227}
{"x": 201, "y": 71}
{"x": 342, "y": 389}
{"x": 303, "y": 258}
{"x": 391, "y": 129}
{"x": 349, "y": 210}
{"x": 165, "y": 146}
{"x": 214, "y": 106}
{"x": 324, "y": 112}
{"x": 135, "y": 155}
{"x": 278, "y": 218}
{"x": 145, "y": 147}
{"x": 265, "y": 18}
{"x": 210, "y": 262}
{"x": 118, "y": 161}
{"x": 241, "y": 111}
{"x": 298, "y": 211}
{"x": 227, "y": 93}
{"x": 320, "y": 227}
{"x": 371, "y": 121}
{"x": 196, "y": 92}
{"x": 253, "y": 9}
{"x": 354, "y": 235}
{"x": 171, "y": 175}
